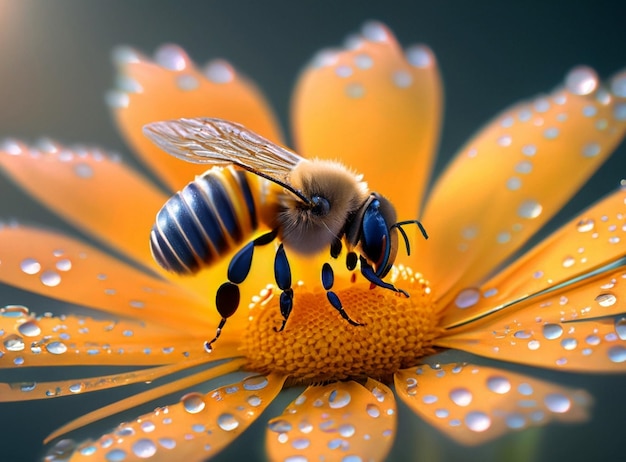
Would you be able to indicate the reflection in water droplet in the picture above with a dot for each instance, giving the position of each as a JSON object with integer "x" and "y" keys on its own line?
{"x": 253, "y": 400}
{"x": 529, "y": 209}
{"x": 115, "y": 455}
{"x": 64, "y": 265}
{"x": 30, "y": 266}
{"x": 467, "y": 298}
{"x": 13, "y": 342}
{"x": 167, "y": 443}
{"x": 557, "y": 403}
{"x": 499, "y": 385}
{"x": 581, "y": 80}
{"x": 29, "y": 329}
{"x": 83, "y": 170}
{"x": 193, "y": 402}
{"x": 257, "y": 382}
{"x": 301, "y": 443}
{"x": 605, "y": 300}
{"x": 372, "y": 410}
{"x": 279, "y": 426}
{"x": 461, "y": 396}
{"x": 50, "y": 278}
{"x": 144, "y": 448}
{"x": 338, "y": 399}
{"x": 552, "y": 331}
{"x": 515, "y": 421}
{"x": 585, "y": 225}
{"x": 77, "y": 387}
{"x": 617, "y": 354}
{"x": 620, "y": 328}
{"x": 219, "y": 71}
{"x": 568, "y": 262}
{"x": 56, "y": 348}
{"x": 477, "y": 421}
{"x": 227, "y": 422}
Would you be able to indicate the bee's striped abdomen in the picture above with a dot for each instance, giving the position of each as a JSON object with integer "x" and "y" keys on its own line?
{"x": 204, "y": 221}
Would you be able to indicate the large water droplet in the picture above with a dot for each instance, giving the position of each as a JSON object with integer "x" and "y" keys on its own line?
{"x": 515, "y": 421}
{"x": 605, "y": 300}
{"x": 346, "y": 430}
{"x": 56, "y": 348}
{"x": 50, "y": 278}
{"x": 372, "y": 410}
{"x": 617, "y": 354}
{"x": 569, "y": 343}
{"x": 557, "y": 403}
{"x": 219, "y": 71}
{"x": 254, "y": 400}
{"x": 64, "y": 264}
{"x": 461, "y": 396}
{"x": 193, "y": 402}
{"x": 279, "y": 426}
{"x": 529, "y": 209}
{"x": 581, "y": 80}
{"x": 568, "y": 262}
{"x": 30, "y": 266}
{"x": 29, "y": 329}
{"x": 170, "y": 57}
{"x": 338, "y": 399}
{"x": 77, "y": 387}
{"x": 477, "y": 421}
{"x": 585, "y": 225}
{"x": 83, "y": 170}
{"x": 620, "y": 328}
{"x": 167, "y": 443}
{"x": 467, "y": 298}
{"x": 227, "y": 422}
{"x": 419, "y": 56}
{"x": 115, "y": 455}
{"x": 258, "y": 382}
{"x": 301, "y": 443}
{"x": 144, "y": 448}
{"x": 552, "y": 331}
{"x": 13, "y": 342}
{"x": 499, "y": 385}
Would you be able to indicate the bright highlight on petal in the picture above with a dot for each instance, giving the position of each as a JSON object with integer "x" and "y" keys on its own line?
{"x": 378, "y": 109}
{"x": 339, "y": 421}
{"x": 474, "y": 404}
{"x": 170, "y": 86}
{"x": 511, "y": 178}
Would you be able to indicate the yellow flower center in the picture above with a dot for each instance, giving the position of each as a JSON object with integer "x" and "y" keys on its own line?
{"x": 318, "y": 345}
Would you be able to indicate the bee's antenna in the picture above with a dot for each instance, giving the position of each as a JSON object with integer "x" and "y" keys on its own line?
{"x": 403, "y": 232}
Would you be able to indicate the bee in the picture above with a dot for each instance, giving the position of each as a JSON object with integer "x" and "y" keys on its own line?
{"x": 310, "y": 206}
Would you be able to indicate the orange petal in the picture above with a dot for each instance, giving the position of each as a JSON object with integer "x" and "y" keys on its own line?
{"x": 92, "y": 190}
{"x": 59, "y": 267}
{"x": 593, "y": 239}
{"x": 342, "y": 420}
{"x": 27, "y": 340}
{"x": 378, "y": 109}
{"x": 474, "y": 404}
{"x": 171, "y": 87}
{"x": 557, "y": 331}
{"x": 197, "y": 427}
{"x": 512, "y": 177}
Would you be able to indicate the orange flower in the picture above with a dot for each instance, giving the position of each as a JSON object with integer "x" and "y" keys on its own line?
{"x": 378, "y": 109}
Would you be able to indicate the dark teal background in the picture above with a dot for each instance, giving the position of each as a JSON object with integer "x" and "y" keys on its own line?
{"x": 55, "y": 68}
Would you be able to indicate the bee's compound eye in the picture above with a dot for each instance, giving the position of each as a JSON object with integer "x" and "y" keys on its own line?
{"x": 321, "y": 206}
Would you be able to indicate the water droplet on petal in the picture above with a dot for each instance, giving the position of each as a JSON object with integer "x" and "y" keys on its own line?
{"x": 569, "y": 343}
{"x": 279, "y": 426}
{"x": 301, "y": 443}
{"x": 467, "y": 298}
{"x": 461, "y": 396}
{"x": 372, "y": 410}
{"x": 552, "y": 331}
{"x": 167, "y": 443}
{"x": 477, "y": 421}
{"x": 557, "y": 403}
{"x": 529, "y": 209}
{"x": 419, "y": 56}
{"x": 29, "y": 329}
{"x": 64, "y": 265}
{"x": 585, "y": 225}
{"x": 83, "y": 170}
{"x": 13, "y": 342}
{"x": 515, "y": 421}
{"x": 355, "y": 90}
{"x": 605, "y": 300}
{"x": 568, "y": 262}
{"x": 618, "y": 85}
{"x": 617, "y": 354}
{"x": 193, "y": 402}
{"x": 171, "y": 57}
{"x": 144, "y": 448}
{"x": 56, "y": 348}
{"x": 363, "y": 61}
{"x": 254, "y": 400}
{"x": 219, "y": 71}
{"x": 50, "y": 278}
{"x": 30, "y": 266}
{"x": 187, "y": 82}
{"x": 257, "y": 382}
{"x": 591, "y": 150}
{"x": 499, "y": 385}
{"x": 620, "y": 328}
{"x": 374, "y": 31}
{"x": 338, "y": 399}
{"x": 227, "y": 422}
{"x": 581, "y": 80}
{"x": 77, "y": 387}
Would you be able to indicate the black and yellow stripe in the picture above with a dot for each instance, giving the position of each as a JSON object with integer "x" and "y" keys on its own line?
{"x": 204, "y": 221}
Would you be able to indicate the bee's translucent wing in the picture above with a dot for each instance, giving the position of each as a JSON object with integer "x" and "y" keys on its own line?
{"x": 221, "y": 143}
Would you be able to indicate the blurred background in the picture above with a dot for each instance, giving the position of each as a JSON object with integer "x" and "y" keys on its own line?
{"x": 55, "y": 69}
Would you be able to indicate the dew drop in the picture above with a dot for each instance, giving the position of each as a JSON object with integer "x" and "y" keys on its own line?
{"x": 279, "y": 426}
{"x": 355, "y": 90}
{"x": 352, "y": 458}
{"x": 50, "y": 278}
{"x": 13, "y": 342}
{"x": 515, "y": 421}
{"x": 144, "y": 448}
{"x": 419, "y": 56}
{"x": 30, "y": 266}
{"x": 568, "y": 262}
{"x": 552, "y": 331}
{"x": 524, "y": 167}
{"x": 374, "y": 31}
{"x": 219, "y": 71}
{"x": 56, "y": 348}
{"x": 167, "y": 443}
{"x": 551, "y": 133}
{"x": 620, "y": 328}
{"x": 372, "y": 410}
{"x": 557, "y": 403}
{"x": 64, "y": 265}
{"x": 467, "y": 298}
{"x": 618, "y": 85}
{"x": 77, "y": 387}
{"x": 29, "y": 329}
{"x": 569, "y": 343}
{"x": 253, "y": 400}
{"x": 301, "y": 443}
{"x": 363, "y": 61}
{"x": 522, "y": 334}
{"x": 170, "y": 57}
{"x": 346, "y": 430}
{"x": 529, "y": 209}
{"x": 534, "y": 345}
{"x": 585, "y": 225}
{"x": 257, "y": 382}
{"x": 429, "y": 399}
{"x": 477, "y": 421}
{"x": 499, "y": 385}
{"x": 227, "y": 422}
{"x": 338, "y": 399}
{"x": 461, "y": 396}
{"x": 513, "y": 183}
{"x": 83, "y": 170}
{"x": 402, "y": 79}
{"x": 617, "y": 354}
{"x": 591, "y": 150}
{"x": 343, "y": 71}
{"x": 606, "y": 299}
{"x": 193, "y": 402}
{"x": 581, "y": 80}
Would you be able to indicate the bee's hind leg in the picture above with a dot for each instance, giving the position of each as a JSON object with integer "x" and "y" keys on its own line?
{"x": 282, "y": 274}
{"x": 328, "y": 279}
{"x": 371, "y": 276}
{"x": 228, "y": 297}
